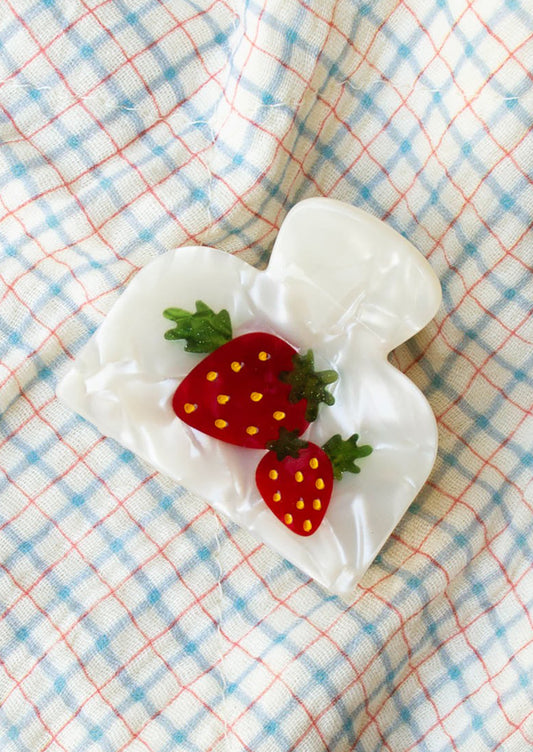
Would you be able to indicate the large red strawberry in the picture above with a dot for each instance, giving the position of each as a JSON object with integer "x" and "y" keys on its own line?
{"x": 247, "y": 388}
{"x": 295, "y": 478}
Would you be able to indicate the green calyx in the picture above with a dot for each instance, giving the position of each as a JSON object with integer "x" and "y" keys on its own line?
{"x": 308, "y": 384}
{"x": 287, "y": 444}
{"x": 204, "y": 330}
{"x": 343, "y": 453}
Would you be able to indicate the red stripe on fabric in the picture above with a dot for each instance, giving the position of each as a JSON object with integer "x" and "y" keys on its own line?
{"x": 33, "y": 706}
{"x": 321, "y": 633}
{"x": 53, "y": 736}
{"x": 443, "y": 642}
{"x": 42, "y": 48}
{"x": 149, "y": 642}
{"x": 64, "y": 184}
{"x": 75, "y": 546}
{"x": 197, "y": 599}
{"x": 118, "y": 150}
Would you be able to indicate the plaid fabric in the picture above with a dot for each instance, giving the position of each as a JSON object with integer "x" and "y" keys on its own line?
{"x": 133, "y": 617}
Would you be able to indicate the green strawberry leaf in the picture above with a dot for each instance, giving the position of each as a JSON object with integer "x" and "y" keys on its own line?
{"x": 204, "y": 330}
{"x": 344, "y": 452}
{"x": 287, "y": 445}
{"x": 308, "y": 384}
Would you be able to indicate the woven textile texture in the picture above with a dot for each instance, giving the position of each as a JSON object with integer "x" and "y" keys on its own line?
{"x": 132, "y": 616}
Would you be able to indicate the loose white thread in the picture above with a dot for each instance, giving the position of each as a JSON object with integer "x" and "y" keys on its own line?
{"x": 211, "y": 177}
{"x": 220, "y": 604}
{"x": 406, "y": 88}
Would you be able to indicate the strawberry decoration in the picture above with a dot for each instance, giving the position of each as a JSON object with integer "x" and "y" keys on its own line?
{"x": 257, "y": 391}
{"x": 247, "y": 388}
{"x": 295, "y": 478}
{"x": 347, "y": 282}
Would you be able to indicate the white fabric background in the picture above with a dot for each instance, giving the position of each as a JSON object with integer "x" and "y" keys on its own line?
{"x": 132, "y": 616}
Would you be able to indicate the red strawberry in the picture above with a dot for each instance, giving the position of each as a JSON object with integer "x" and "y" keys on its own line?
{"x": 295, "y": 478}
{"x": 247, "y": 388}
{"x": 296, "y": 487}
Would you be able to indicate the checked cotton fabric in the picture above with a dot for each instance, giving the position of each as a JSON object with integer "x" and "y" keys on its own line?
{"x": 133, "y": 618}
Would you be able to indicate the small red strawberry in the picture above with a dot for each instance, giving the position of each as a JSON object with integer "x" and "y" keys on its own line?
{"x": 247, "y": 388}
{"x": 295, "y": 478}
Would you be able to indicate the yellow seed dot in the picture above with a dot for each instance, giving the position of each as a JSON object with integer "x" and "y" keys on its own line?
{"x": 288, "y": 519}
{"x": 300, "y": 504}
{"x": 223, "y": 399}
{"x": 211, "y": 376}
{"x": 278, "y": 415}
{"x": 263, "y": 355}
{"x": 273, "y": 475}
{"x": 236, "y": 366}
{"x": 277, "y": 496}
{"x": 189, "y": 408}
{"x": 320, "y": 484}
{"x": 219, "y": 423}
{"x": 317, "y": 504}
{"x": 307, "y": 526}
{"x": 313, "y": 462}
{"x": 256, "y": 396}
{"x": 298, "y": 477}
{"x": 252, "y": 430}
